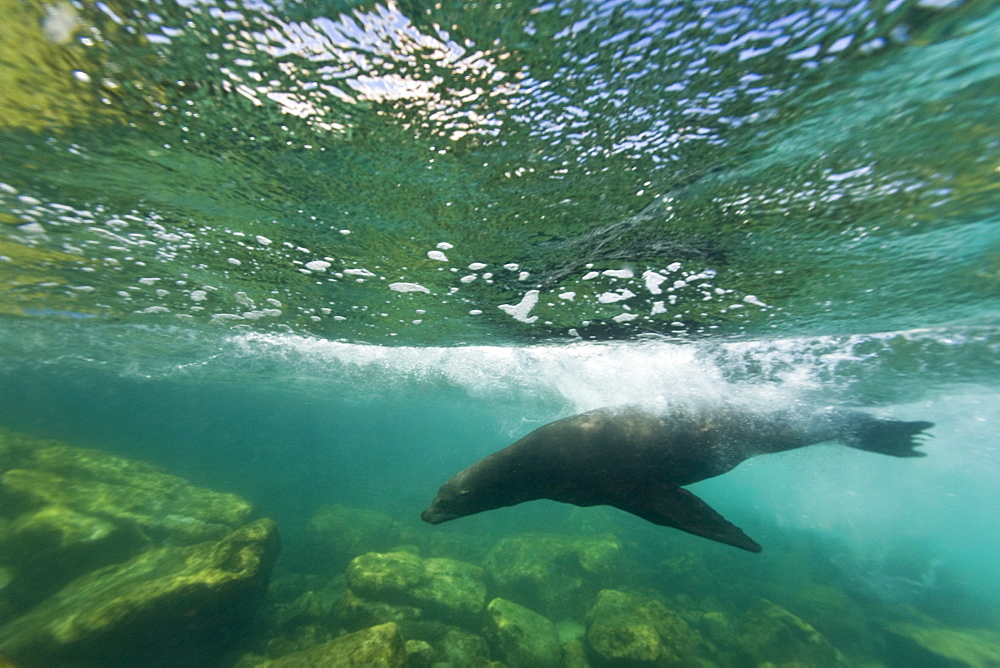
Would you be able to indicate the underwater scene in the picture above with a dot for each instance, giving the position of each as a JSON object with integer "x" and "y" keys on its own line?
{"x": 282, "y": 282}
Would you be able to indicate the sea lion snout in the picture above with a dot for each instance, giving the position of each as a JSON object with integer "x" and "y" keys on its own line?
{"x": 435, "y": 516}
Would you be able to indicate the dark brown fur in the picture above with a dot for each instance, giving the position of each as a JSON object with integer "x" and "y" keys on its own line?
{"x": 638, "y": 461}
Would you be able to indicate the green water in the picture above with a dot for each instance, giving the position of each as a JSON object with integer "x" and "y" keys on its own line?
{"x": 333, "y": 252}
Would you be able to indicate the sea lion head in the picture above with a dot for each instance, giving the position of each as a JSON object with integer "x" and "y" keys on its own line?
{"x": 467, "y": 493}
{"x": 453, "y": 500}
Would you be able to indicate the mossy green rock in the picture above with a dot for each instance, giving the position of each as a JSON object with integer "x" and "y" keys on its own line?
{"x": 452, "y": 589}
{"x": 353, "y": 611}
{"x": 718, "y": 628}
{"x": 159, "y": 508}
{"x": 336, "y": 534}
{"x": 461, "y": 648}
{"x": 946, "y": 646}
{"x": 420, "y": 654}
{"x": 626, "y": 628}
{"x": 168, "y": 605}
{"x": 554, "y": 574}
{"x": 66, "y": 511}
{"x": 771, "y": 634}
{"x": 522, "y": 636}
{"x": 375, "y": 647}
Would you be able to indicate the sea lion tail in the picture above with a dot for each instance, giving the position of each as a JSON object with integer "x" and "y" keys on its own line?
{"x": 888, "y": 437}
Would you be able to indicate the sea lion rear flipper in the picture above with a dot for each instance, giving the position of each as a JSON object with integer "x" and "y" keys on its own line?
{"x": 680, "y": 509}
{"x": 888, "y": 437}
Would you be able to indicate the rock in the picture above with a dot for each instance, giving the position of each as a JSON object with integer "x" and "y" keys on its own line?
{"x": 297, "y": 639}
{"x": 180, "y": 605}
{"x": 556, "y": 575}
{"x": 461, "y": 648}
{"x": 471, "y": 548}
{"x": 626, "y": 628}
{"x": 718, "y": 628}
{"x": 570, "y": 629}
{"x": 575, "y": 654}
{"x": 375, "y": 647}
{"x": 49, "y": 546}
{"x": 522, "y": 636}
{"x": 771, "y": 634}
{"x": 389, "y": 576}
{"x": 420, "y": 654}
{"x": 844, "y": 620}
{"x": 66, "y": 511}
{"x": 947, "y": 646}
{"x": 163, "y": 508}
{"x": 336, "y": 534}
{"x": 354, "y": 610}
{"x": 453, "y": 590}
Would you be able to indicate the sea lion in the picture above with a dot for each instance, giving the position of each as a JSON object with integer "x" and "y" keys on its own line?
{"x": 639, "y": 461}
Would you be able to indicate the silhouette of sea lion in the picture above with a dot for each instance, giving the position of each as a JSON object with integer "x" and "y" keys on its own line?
{"x": 639, "y": 461}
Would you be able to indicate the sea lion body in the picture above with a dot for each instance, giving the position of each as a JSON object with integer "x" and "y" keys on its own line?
{"x": 638, "y": 461}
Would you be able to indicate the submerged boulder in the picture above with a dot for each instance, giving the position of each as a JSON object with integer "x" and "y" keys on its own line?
{"x": 771, "y": 634}
{"x": 554, "y": 574}
{"x": 462, "y": 648}
{"x": 522, "y": 637}
{"x": 336, "y": 534}
{"x": 378, "y": 647}
{"x": 66, "y": 511}
{"x": 623, "y": 628}
{"x": 948, "y": 646}
{"x": 169, "y": 605}
{"x": 452, "y": 590}
{"x": 163, "y": 508}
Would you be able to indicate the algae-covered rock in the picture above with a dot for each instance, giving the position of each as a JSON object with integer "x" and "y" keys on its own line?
{"x": 375, "y": 647}
{"x": 769, "y": 633}
{"x": 718, "y": 627}
{"x": 552, "y": 573}
{"x": 353, "y": 611}
{"x": 575, "y": 654}
{"x": 522, "y": 636}
{"x": 461, "y": 648}
{"x": 49, "y": 546}
{"x": 627, "y": 628}
{"x": 160, "y": 508}
{"x": 336, "y": 534}
{"x": 947, "y": 646}
{"x": 451, "y": 589}
{"x": 66, "y": 511}
{"x": 172, "y": 604}
{"x": 420, "y": 654}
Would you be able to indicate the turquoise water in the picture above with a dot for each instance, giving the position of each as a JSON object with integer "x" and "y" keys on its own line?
{"x": 332, "y": 253}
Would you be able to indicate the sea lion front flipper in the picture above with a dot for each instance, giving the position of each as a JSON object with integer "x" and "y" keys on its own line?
{"x": 680, "y": 509}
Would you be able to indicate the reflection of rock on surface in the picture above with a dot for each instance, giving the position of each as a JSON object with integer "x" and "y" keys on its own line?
{"x": 556, "y": 575}
{"x": 103, "y": 559}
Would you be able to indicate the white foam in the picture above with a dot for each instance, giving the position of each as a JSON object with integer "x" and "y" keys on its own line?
{"x": 521, "y": 310}
{"x": 318, "y": 265}
{"x": 408, "y": 287}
